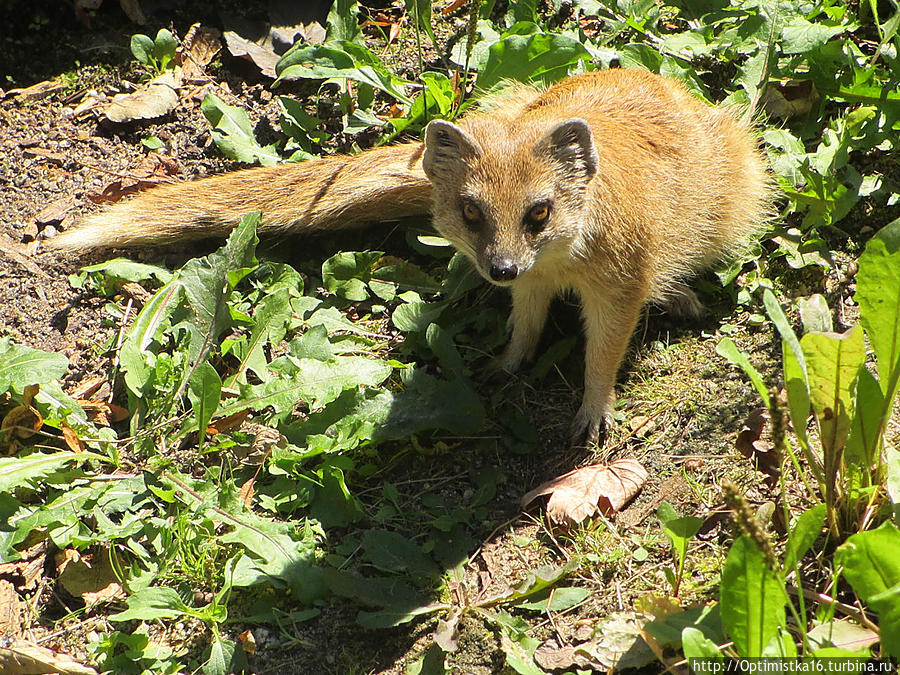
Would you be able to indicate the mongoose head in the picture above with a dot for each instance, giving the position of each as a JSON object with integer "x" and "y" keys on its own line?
{"x": 512, "y": 198}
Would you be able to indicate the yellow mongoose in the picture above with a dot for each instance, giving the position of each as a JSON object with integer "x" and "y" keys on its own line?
{"x": 615, "y": 184}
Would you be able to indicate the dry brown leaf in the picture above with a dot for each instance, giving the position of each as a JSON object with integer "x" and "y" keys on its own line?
{"x": 10, "y": 611}
{"x": 248, "y": 641}
{"x": 26, "y": 658}
{"x": 30, "y": 567}
{"x": 37, "y": 91}
{"x": 246, "y": 492}
{"x": 789, "y": 98}
{"x": 585, "y": 492}
{"x": 223, "y": 424}
{"x": 200, "y": 45}
{"x": 616, "y": 644}
{"x": 20, "y": 422}
{"x": 751, "y": 444}
{"x": 49, "y": 155}
{"x": 153, "y": 170}
{"x": 156, "y": 98}
{"x": 453, "y": 6}
{"x": 90, "y": 577}
{"x": 71, "y": 438}
{"x": 264, "y": 58}
{"x": 87, "y": 387}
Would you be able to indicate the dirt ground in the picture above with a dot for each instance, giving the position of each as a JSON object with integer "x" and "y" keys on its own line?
{"x": 690, "y": 403}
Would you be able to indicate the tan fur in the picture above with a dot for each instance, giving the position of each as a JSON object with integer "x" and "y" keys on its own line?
{"x": 646, "y": 185}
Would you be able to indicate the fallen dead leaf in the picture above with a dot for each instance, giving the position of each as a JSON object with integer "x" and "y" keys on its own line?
{"x": 20, "y": 422}
{"x": 10, "y": 611}
{"x": 200, "y": 45}
{"x": 789, "y": 98}
{"x": 56, "y": 211}
{"x": 641, "y": 425}
{"x": 842, "y": 634}
{"x": 16, "y": 251}
{"x": 90, "y": 577}
{"x": 156, "y": 98}
{"x": 87, "y": 387}
{"x": 27, "y": 658}
{"x": 264, "y": 58}
{"x": 246, "y": 492}
{"x": 453, "y": 6}
{"x": 153, "y": 170}
{"x": 617, "y": 643}
{"x": 71, "y": 438}
{"x": 758, "y": 450}
{"x": 37, "y": 91}
{"x": 248, "y": 641}
{"x": 103, "y": 413}
{"x": 224, "y": 424}
{"x": 29, "y": 568}
{"x": 585, "y": 492}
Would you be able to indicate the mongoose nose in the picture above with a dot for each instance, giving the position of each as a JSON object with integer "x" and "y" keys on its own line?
{"x": 504, "y": 270}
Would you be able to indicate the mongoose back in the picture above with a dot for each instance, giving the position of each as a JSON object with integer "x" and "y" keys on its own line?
{"x": 616, "y": 184}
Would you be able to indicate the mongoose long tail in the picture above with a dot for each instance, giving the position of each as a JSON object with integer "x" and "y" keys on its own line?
{"x": 332, "y": 193}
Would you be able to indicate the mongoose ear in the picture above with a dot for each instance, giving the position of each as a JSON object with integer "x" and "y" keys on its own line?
{"x": 447, "y": 150}
{"x": 571, "y": 144}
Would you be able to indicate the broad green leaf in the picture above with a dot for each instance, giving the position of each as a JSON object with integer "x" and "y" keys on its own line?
{"x": 866, "y": 430}
{"x": 341, "y": 60}
{"x": 142, "y": 48}
{"x": 343, "y": 22}
{"x": 727, "y": 349}
{"x": 640, "y": 56}
{"x": 534, "y": 582}
{"x": 392, "y": 552}
{"x": 431, "y": 663}
{"x": 204, "y": 392}
{"x": 751, "y": 599}
{"x": 417, "y": 316}
{"x": 22, "y": 366}
{"x": 803, "y": 535}
{"x": 225, "y": 657}
{"x": 697, "y": 646}
{"x": 878, "y": 295}
{"x": 815, "y": 314}
{"x": 541, "y": 58}
{"x": 518, "y": 658}
{"x": 347, "y": 274}
{"x": 668, "y": 630}
{"x": 31, "y": 469}
{"x": 833, "y": 362}
{"x": 129, "y": 270}
{"x": 800, "y": 36}
{"x": 555, "y": 599}
{"x": 157, "y": 602}
{"x": 872, "y": 567}
{"x": 164, "y": 47}
{"x": 233, "y": 133}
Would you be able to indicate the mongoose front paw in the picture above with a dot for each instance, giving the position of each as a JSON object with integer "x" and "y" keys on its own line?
{"x": 588, "y": 424}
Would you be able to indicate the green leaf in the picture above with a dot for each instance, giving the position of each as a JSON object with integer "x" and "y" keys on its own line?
{"x": 555, "y": 599}
{"x": 727, "y": 349}
{"x": 346, "y": 274}
{"x": 129, "y": 270}
{"x": 157, "y": 602}
{"x": 800, "y": 36}
{"x": 32, "y": 469}
{"x": 697, "y": 646}
{"x": 872, "y": 567}
{"x": 541, "y": 57}
{"x": 233, "y": 134}
{"x": 534, "y": 582}
{"x": 751, "y": 599}
{"x": 21, "y": 366}
{"x": 833, "y": 363}
{"x": 204, "y": 392}
{"x": 142, "y": 48}
{"x": 417, "y": 316}
{"x": 392, "y": 552}
{"x": 164, "y": 47}
{"x": 340, "y": 60}
{"x": 342, "y": 22}
{"x": 878, "y": 295}
{"x": 225, "y": 657}
{"x": 803, "y": 535}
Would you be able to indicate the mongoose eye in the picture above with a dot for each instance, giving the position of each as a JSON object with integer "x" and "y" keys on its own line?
{"x": 471, "y": 214}
{"x": 537, "y": 216}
